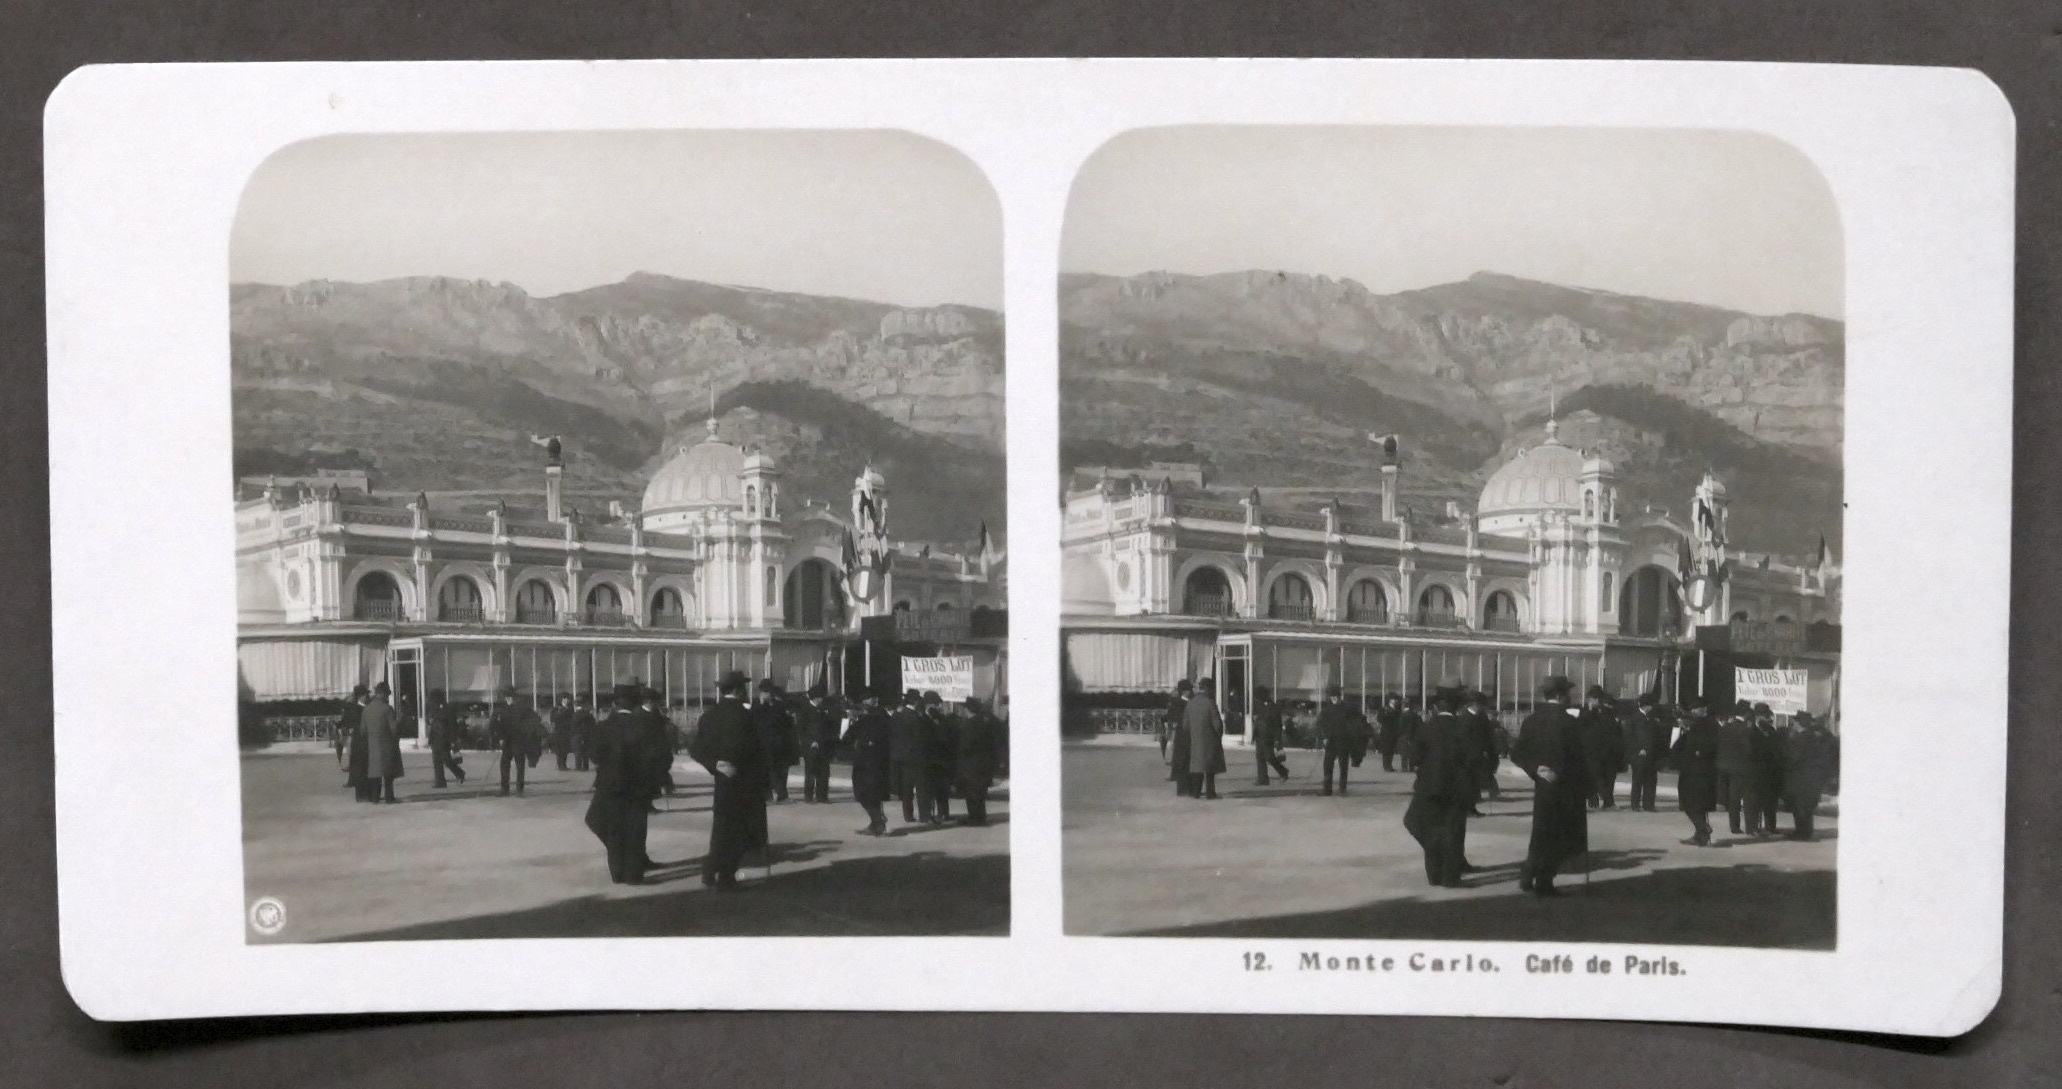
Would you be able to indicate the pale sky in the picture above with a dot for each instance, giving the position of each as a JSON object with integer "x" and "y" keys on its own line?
{"x": 882, "y": 216}
{"x": 1729, "y": 219}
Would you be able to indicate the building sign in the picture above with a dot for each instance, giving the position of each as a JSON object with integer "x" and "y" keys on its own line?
{"x": 951, "y": 677}
{"x": 1776, "y": 639}
{"x": 1781, "y": 689}
{"x": 931, "y": 626}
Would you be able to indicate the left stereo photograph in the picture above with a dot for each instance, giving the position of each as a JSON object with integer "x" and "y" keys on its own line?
{"x": 620, "y": 525}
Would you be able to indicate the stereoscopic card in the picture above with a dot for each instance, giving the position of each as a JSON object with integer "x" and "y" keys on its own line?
{"x": 1352, "y": 537}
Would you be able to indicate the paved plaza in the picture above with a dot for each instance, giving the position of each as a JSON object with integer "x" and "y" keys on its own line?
{"x": 465, "y": 863}
{"x": 1283, "y": 861}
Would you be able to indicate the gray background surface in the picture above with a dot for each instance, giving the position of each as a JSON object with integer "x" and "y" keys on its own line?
{"x": 46, "y": 1041}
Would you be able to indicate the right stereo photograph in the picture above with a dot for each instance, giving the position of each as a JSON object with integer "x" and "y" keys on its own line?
{"x": 1451, "y": 536}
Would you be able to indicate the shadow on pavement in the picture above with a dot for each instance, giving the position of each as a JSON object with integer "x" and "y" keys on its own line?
{"x": 1704, "y": 905}
{"x": 925, "y": 893}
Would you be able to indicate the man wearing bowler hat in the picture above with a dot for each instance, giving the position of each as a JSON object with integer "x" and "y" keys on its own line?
{"x": 1549, "y": 752}
{"x": 1267, "y": 736}
{"x": 818, "y": 727}
{"x": 727, "y": 743}
{"x": 1645, "y": 736}
{"x": 1696, "y": 766}
{"x": 1340, "y": 728}
{"x": 1603, "y": 745}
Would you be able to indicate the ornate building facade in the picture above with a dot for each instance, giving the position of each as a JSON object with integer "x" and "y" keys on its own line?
{"x": 715, "y": 571}
{"x": 1548, "y": 576}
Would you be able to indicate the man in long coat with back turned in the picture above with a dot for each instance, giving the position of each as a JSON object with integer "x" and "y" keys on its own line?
{"x": 1696, "y": 766}
{"x": 625, "y": 782}
{"x": 1549, "y": 751}
{"x": 1205, "y": 730}
{"x": 1178, "y": 734}
{"x": 1445, "y": 788}
{"x": 382, "y": 730}
{"x": 872, "y": 775}
{"x": 727, "y": 743}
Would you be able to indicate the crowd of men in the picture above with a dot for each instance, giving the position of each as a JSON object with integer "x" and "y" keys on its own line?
{"x": 1736, "y": 758}
{"x": 913, "y": 747}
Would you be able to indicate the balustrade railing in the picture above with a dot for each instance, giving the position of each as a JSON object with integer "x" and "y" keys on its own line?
{"x": 1500, "y": 623}
{"x": 535, "y": 616}
{"x": 1300, "y": 611}
{"x": 1379, "y": 617}
{"x": 1438, "y": 618}
{"x": 606, "y": 618}
{"x": 1207, "y": 605}
{"x": 388, "y": 611}
{"x": 462, "y": 614}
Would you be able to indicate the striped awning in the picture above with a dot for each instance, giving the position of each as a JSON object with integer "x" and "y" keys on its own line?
{"x": 299, "y": 669}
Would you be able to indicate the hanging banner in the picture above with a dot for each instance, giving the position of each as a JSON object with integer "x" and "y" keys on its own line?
{"x": 1782, "y": 689}
{"x": 951, "y": 677}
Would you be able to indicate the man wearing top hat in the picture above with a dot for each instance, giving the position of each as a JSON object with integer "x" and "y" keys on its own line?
{"x": 728, "y": 744}
{"x": 1340, "y": 729}
{"x": 1765, "y": 784}
{"x": 1696, "y": 766}
{"x": 1444, "y": 789}
{"x": 382, "y": 730}
{"x": 817, "y": 728}
{"x": 562, "y": 717}
{"x": 1267, "y": 736}
{"x": 1549, "y": 752}
{"x": 975, "y": 755}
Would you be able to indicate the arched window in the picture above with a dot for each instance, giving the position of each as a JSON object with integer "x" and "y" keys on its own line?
{"x": 772, "y": 586}
{"x": 458, "y": 601}
{"x": 535, "y": 603}
{"x": 815, "y": 598}
{"x": 1206, "y": 592}
{"x": 902, "y": 606}
{"x": 1367, "y": 603}
{"x": 751, "y": 500}
{"x": 1500, "y": 612}
{"x": 1650, "y": 605}
{"x": 605, "y": 606}
{"x": 1289, "y": 598}
{"x": 1435, "y": 608}
{"x": 945, "y": 606}
{"x": 668, "y": 611}
{"x": 378, "y": 598}
{"x": 1742, "y": 617}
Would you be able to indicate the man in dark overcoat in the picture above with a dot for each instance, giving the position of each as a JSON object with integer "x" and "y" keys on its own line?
{"x": 1389, "y": 728}
{"x": 872, "y": 778}
{"x": 776, "y": 737}
{"x": 941, "y": 743}
{"x": 624, "y": 785}
{"x": 908, "y": 738}
{"x": 1479, "y": 727}
{"x": 1696, "y": 765}
{"x": 583, "y": 731}
{"x": 817, "y": 729}
{"x": 510, "y": 727}
{"x": 1340, "y": 728}
{"x": 1603, "y": 745}
{"x": 562, "y": 717}
{"x": 1549, "y": 752}
{"x": 1170, "y": 721}
{"x": 1645, "y": 737}
{"x": 728, "y": 743}
{"x": 1765, "y": 785}
{"x": 444, "y": 728}
{"x": 974, "y": 758}
{"x": 1267, "y": 736}
{"x": 1205, "y": 729}
{"x": 350, "y": 741}
{"x": 1445, "y": 786}
{"x": 382, "y": 730}
{"x": 1178, "y": 736}
{"x": 1735, "y": 763}
{"x": 1807, "y": 759}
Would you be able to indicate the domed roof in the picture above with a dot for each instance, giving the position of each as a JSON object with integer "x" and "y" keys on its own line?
{"x": 702, "y": 475}
{"x": 1545, "y": 478}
